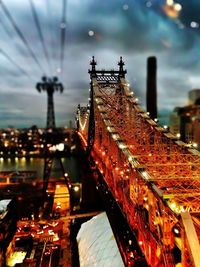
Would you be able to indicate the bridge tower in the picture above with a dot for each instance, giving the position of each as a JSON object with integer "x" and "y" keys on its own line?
{"x": 106, "y": 77}
{"x": 50, "y": 85}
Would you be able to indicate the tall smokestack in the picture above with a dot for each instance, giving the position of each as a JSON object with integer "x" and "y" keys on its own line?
{"x": 151, "y": 97}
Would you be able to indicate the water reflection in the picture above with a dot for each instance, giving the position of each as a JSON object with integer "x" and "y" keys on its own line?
{"x": 72, "y": 166}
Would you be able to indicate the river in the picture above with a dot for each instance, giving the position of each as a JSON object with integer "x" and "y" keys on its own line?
{"x": 76, "y": 167}
{"x": 73, "y": 166}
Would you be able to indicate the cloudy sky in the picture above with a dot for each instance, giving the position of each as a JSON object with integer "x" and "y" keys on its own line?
{"x": 32, "y": 45}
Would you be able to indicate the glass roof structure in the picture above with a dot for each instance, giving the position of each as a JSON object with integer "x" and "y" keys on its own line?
{"x": 3, "y": 207}
{"x": 97, "y": 245}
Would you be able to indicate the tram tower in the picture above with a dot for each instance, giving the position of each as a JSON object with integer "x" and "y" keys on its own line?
{"x": 50, "y": 85}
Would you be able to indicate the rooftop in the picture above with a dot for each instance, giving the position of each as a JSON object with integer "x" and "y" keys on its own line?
{"x": 3, "y": 207}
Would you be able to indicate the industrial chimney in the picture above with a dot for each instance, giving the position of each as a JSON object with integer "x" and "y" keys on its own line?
{"x": 151, "y": 95}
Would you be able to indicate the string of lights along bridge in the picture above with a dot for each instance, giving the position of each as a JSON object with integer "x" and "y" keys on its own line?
{"x": 153, "y": 176}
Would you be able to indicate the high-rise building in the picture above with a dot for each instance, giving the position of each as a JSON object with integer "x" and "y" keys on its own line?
{"x": 194, "y": 95}
{"x": 185, "y": 121}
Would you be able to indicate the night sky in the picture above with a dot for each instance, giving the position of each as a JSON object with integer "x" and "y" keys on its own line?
{"x": 133, "y": 29}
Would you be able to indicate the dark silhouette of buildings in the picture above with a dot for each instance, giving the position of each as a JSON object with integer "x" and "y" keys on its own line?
{"x": 185, "y": 121}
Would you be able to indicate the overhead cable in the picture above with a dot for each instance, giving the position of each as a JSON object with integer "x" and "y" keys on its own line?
{"x": 62, "y": 35}
{"x": 13, "y": 62}
{"x": 49, "y": 28}
{"x": 5, "y": 27}
{"x": 20, "y": 34}
{"x": 39, "y": 29}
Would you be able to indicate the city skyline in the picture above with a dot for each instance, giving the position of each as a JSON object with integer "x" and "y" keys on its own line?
{"x": 132, "y": 29}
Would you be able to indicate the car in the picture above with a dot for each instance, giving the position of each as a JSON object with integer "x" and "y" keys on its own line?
{"x": 47, "y": 252}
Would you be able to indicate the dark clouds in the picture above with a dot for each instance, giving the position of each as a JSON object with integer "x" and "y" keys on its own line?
{"x": 134, "y": 29}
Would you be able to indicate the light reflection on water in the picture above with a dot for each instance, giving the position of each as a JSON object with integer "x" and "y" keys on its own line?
{"x": 71, "y": 165}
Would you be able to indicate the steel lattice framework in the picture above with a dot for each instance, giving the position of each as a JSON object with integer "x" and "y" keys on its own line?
{"x": 50, "y": 86}
{"x": 154, "y": 176}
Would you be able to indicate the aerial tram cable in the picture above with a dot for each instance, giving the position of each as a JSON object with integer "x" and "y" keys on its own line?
{"x": 39, "y": 30}
{"x": 20, "y": 34}
{"x": 9, "y": 33}
{"x": 49, "y": 30}
{"x": 5, "y": 27}
{"x": 14, "y": 63}
{"x": 62, "y": 35}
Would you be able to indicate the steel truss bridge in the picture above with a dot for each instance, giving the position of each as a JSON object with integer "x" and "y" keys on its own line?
{"x": 153, "y": 176}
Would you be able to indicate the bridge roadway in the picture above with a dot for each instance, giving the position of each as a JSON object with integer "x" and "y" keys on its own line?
{"x": 152, "y": 174}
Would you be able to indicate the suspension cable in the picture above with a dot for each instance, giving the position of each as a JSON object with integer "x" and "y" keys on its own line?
{"x": 39, "y": 30}
{"x": 20, "y": 34}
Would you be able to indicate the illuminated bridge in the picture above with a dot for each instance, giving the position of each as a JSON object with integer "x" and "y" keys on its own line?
{"x": 153, "y": 176}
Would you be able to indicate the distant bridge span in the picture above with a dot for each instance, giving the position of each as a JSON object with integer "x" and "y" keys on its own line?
{"x": 154, "y": 176}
